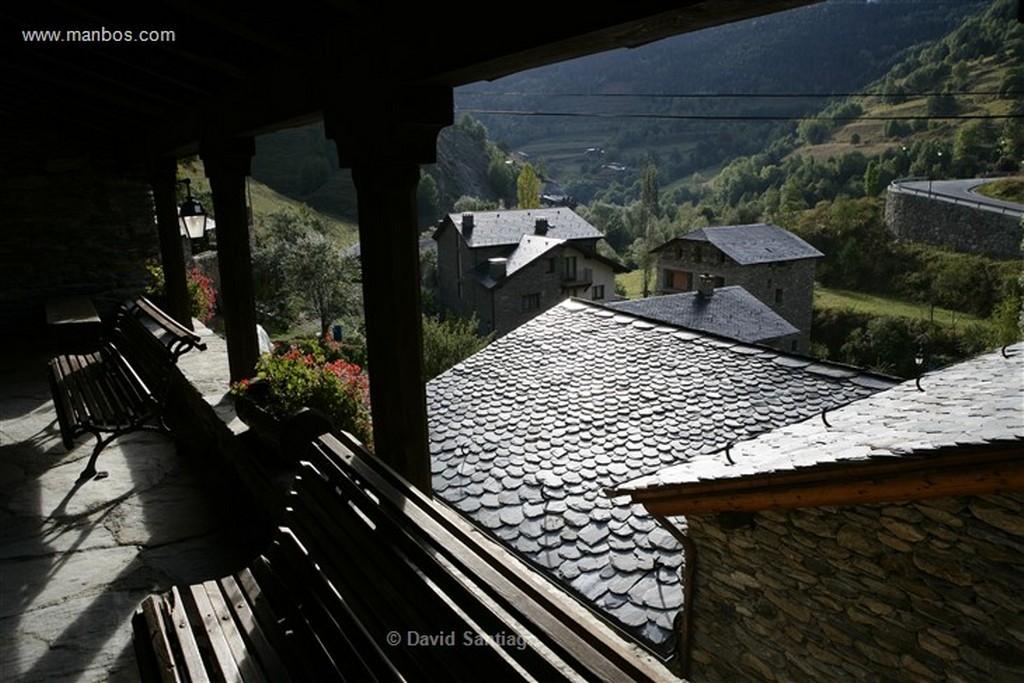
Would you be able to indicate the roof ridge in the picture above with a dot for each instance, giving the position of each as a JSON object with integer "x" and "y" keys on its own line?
{"x": 797, "y": 359}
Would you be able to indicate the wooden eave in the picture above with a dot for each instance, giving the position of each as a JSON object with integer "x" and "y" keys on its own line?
{"x": 952, "y": 472}
{"x": 239, "y": 71}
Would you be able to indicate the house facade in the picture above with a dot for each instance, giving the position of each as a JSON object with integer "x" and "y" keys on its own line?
{"x": 882, "y": 540}
{"x": 505, "y": 267}
{"x": 769, "y": 262}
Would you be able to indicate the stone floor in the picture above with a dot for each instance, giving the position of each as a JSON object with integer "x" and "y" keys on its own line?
{"x": 75, "y": 561}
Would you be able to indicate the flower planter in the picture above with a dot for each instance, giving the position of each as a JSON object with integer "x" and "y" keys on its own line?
{"x": 285, "y": 436}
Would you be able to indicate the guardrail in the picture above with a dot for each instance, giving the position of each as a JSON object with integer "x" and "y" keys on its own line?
{"x": 898, "y": 186}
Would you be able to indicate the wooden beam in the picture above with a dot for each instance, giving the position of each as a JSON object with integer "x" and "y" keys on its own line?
{"x": 384, "y": 139}
{"x": 227, "y": 162}
{"x": 973, "y": 473}
{"x": 163, "y": 177}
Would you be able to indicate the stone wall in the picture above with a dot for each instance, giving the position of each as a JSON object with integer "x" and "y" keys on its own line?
{"x": 70, "y": 224}
{"x": 925, "y": 591}
{"x": 918, "y": 218}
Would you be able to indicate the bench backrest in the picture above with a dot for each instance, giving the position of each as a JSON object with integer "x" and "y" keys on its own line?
{"x": 431, "y": 598}
{"x": 151, "y": 341}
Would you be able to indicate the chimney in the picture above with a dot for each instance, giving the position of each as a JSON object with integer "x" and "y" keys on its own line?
{"x": 467, "y": 224}
{"x": 497, "y": 267}
{"x": 706, "y": 286}
{"x": 541, "y": 226}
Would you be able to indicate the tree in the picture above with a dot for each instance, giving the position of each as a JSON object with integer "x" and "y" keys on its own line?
{"x": 872, "y": 177}
{"x": 298, "y": 268}
{"x": 448, "y": 342}
{"x": 528, "y": 188}
{"x": 322, "y": 278}
{"x": 427, "y": 199}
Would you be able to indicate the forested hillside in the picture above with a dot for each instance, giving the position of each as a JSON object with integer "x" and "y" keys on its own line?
{"x": 639, "y": 103}
{"x": 836, "y": 46}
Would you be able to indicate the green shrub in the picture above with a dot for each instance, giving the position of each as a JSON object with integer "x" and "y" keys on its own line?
{"x": 305, "y": 378}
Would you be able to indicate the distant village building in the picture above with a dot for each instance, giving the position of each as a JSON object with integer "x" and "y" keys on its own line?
{"x": 772, "y": 264}
{"x": 505, "y": 267}
{"x": 730, "y": 312}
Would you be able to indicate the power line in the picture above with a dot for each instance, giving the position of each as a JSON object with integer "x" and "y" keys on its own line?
{"x": 740, "y": 95}
{"x": 738, "y": 117}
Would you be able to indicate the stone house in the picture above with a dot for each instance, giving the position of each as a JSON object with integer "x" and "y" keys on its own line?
{"x": 882, "y": 540}
{"x": 771, "y": 263}
{"x": 505, "y": 267}
{"x": 526, "y": 434}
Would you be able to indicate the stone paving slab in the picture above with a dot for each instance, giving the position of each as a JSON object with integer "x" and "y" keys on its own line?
{"x": 75, "y": 561}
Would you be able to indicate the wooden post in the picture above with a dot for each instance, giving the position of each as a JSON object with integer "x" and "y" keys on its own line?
{"x": 227, "y": 162}
{"x": 384, "y": 139}
{"x": 163, "y": 178}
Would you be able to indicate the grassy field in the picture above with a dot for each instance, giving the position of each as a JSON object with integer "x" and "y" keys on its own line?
{"x": 633, "y": 282}
{"x": 1010, "y": 189}
{"x": 879, "y": 305}
{"x": 265, "y": 201}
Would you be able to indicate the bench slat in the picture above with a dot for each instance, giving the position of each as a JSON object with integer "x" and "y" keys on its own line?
{"x": 206, "y": 623}
{"x": 593, "y": 646}
{"x": 149, "y": 627}
{"x": 285, "y": 594}
{"x": 247, "y": 666}
{"x": 248, "y": 625}
{"x": 393, "y": 586}
{"x": 189, "y": 654}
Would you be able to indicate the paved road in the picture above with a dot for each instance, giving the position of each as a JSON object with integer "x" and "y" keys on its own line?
{"x": 958, "y": 192}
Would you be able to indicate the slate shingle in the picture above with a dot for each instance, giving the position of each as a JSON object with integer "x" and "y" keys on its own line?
{"x": 973, "y": 403}
{"x": 754, "y": 243}
{"x": 603, "y": 400}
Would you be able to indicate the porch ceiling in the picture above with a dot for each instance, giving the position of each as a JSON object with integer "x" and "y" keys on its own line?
{"x": 237, "y": 68}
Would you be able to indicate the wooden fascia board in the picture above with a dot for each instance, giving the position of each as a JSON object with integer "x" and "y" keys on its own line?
{"x": 977, "y": 472}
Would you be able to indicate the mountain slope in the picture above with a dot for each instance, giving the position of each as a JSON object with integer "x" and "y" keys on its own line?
{"x": 834, "y": 47}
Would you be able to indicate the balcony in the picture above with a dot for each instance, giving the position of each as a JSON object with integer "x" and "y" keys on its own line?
{"x": 578, "y": 277}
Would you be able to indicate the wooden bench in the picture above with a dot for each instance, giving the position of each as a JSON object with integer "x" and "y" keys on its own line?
{"x": 370, "y": 580}
{"x": 122, "y": 385}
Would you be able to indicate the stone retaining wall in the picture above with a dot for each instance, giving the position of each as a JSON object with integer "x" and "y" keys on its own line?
{"x": 960, "y": 227}
{"x": 926, "y": 591}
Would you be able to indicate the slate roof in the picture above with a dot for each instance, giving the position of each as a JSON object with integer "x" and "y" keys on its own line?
{"x": 497, "y": 228}
{"x": 531, "y": 248}
{"x": 730, "y": 312}
{"x": 754, "y": 243}
{"x": 970, "y": 404}
{"x": 526, "y": 434}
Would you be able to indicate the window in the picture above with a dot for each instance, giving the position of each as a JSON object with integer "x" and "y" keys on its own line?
{"x": 531, "y": 302}
{"x": 697, "y": 254}
{"x": 598, "y": 292}
{"x": 778, "y": 296}
{"x": 551, "y": 265}
{"x": 570, "y": 268}
{"x": 678, "y": 280}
